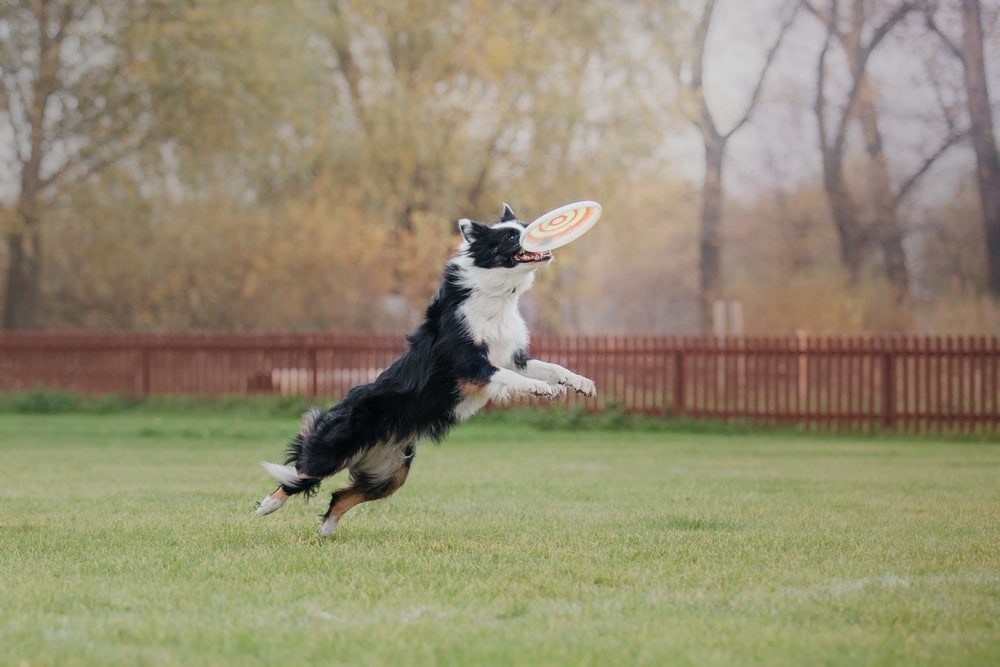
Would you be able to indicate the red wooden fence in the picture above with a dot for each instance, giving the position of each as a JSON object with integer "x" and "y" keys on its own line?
{"x": 902, "y": 383}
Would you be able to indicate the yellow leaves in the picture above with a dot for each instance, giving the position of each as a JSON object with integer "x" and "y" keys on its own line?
{"x": 782, "y": 262}
{"x": 820, "y": 301}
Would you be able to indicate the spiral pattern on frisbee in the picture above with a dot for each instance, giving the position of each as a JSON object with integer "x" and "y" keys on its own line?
{"x": 561, "y": 226}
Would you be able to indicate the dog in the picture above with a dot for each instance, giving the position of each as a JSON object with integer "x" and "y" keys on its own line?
{"x": 471, "y": 348}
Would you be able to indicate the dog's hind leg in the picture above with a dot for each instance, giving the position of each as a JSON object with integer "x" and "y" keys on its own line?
{"x": 272, "y": 502}
{"x": 365, "y": 486}
{"x": 292, "y": 482}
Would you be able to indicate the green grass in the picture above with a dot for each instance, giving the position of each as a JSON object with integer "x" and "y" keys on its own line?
{"x": 129, "y": 539}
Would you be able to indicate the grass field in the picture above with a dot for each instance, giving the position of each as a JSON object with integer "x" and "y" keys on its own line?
{"x": 129, "y": 539}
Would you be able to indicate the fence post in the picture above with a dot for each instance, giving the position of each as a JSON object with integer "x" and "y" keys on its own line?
{"x": 313, "y": 361}
{"x": 888, "y": 388}
{"x": 147, "y": 371}
{"x": 677, "y": 405}
{"x": 802, "y": 381}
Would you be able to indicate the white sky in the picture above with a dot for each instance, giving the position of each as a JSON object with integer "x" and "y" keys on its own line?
{"x": 783, "y": 126}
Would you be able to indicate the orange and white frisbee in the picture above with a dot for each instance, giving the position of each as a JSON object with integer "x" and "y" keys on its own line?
{"x": 560, "y": 226}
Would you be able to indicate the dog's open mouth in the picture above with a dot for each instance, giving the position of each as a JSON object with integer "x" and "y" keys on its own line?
{"x": 527, "y": 257}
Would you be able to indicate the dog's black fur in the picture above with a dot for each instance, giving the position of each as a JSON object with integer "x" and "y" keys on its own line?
{"x": 448, "y": 372}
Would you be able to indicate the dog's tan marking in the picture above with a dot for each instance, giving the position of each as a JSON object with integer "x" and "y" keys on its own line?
{"x": 345, "y": 499}
{"x": 472, "y": 387}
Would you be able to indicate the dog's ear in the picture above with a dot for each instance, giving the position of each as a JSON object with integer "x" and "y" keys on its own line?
{"x": 508, "y": 213}
{"x": 471, "y": 230}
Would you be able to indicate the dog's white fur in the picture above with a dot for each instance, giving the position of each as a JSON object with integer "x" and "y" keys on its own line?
{"x": 494, "y": 318}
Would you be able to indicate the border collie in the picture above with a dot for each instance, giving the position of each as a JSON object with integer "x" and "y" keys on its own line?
{"x": 472, "y": 347}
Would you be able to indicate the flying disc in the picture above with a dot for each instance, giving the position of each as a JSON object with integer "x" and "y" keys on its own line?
{"x": 560, "y": 226}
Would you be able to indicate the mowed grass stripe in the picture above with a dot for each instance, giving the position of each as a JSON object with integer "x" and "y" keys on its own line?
{"x": 129, "y": 539}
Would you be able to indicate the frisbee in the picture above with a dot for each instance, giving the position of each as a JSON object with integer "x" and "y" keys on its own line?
{"x": 561, "y": 226}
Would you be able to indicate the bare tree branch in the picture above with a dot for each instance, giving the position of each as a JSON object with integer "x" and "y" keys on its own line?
{"x": 953, "y": 138}
{"x": 98, "y": 155}
{"x": 947, "y": 112}
{"x": 936, "y": 29}
{"x": 858, "y": 56}
{"x": 349, "y": 69}
{"x": 890, "y": 22}
{"x": 13, "y": 99}
{"x": 812, "y": 9}
{"x": 759, "y": 87}
{"x": 704, "y": 120}
{"x": 820, "y": 103}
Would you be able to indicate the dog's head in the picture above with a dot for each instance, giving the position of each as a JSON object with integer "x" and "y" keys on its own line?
{"x": 499, "y": 246}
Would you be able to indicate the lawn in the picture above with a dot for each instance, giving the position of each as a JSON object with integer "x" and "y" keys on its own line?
{"x": 129, "y": 539}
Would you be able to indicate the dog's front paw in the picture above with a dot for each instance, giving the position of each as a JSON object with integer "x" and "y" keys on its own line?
{"x": 546, "y": 390}
{"x": 581, "y": 385}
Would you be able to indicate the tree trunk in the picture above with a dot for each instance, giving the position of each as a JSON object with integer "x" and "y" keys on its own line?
{"x": 887, "y": 230}
{"x": 854, "y": 234}
{"x": 24, "y": 275}
{"x": 24, "y": 240}
{"x": 845, "y": 216}
{"x": 709, "y": 250}
{"x": 709, "y": 243}
{"x": 983, "y": 139}
{"x": 24, "y": 245}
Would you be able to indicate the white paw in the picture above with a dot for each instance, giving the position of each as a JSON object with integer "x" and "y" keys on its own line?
{"x": 546, "y": 390}
{"x": 581, "y": 385}
{"x": 269, "y": 505}
{"x": 328, "y": 526}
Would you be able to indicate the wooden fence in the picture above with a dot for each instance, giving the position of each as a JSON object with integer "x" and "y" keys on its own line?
{"x": 901, "y": 383}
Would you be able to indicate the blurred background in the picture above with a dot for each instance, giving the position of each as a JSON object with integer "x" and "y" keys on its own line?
{"x": 293, "y": 165}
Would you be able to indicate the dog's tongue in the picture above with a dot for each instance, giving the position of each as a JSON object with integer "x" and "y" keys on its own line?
{"x": 528, "y": 256}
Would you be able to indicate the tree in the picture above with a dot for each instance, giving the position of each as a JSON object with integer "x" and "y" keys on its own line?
{"x": 88, "y": 84}
{"x": 440, "y": 118}
{"x": 969, "y": 52}
{"x": 248, "y": 131}
{"x": 433, "y": 111}
{"x": 70, "y": 109}
{"x": 859, "y": 34}
{"x": 688, "y": 69}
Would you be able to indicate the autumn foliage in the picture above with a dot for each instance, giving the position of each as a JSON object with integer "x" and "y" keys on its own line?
{"x": 300, "y": 166}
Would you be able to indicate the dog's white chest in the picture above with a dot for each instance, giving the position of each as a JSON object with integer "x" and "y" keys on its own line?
{"x": 498, "y": 324}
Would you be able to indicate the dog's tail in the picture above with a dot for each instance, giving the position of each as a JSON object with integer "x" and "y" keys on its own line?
{"x": 288, "y": 475}
{"x": 298, "y": 443}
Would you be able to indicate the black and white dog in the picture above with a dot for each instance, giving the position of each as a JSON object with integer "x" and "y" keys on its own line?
{"x": 472, "y": 347}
